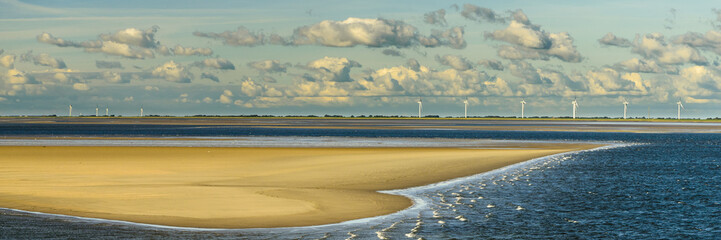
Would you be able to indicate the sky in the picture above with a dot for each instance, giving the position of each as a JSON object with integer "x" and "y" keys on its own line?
{"x": 360, "y": 57}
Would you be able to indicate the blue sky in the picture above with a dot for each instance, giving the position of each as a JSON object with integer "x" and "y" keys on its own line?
{"x": 353, "y": 58}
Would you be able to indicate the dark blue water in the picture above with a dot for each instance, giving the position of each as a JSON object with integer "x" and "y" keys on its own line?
{"x": 142, "y": 130}
{"x": 660, "y": 186}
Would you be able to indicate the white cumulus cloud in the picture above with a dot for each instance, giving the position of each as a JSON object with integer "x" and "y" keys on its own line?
{"x": 333, "y": 69}
{"x": 654, "y": 46}
{"x": 529, "y": 41}
{"x": 217, "y": 63}
{"x": 172, "y": 72}
{"x": 81, "y": 86}
{"x": 455, "y": 61}
{"x": 271, "y": 66}
{"x": 8, "y": 61}
{"x": 241, "y": 37}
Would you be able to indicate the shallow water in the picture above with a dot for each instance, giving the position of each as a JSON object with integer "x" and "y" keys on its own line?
{"x": 646, "y": 186}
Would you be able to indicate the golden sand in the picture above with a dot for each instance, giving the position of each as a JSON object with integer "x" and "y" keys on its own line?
{"x": 235, "y": 187}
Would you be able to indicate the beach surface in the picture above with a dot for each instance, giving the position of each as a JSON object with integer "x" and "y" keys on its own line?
{"x": 236, "y": 187}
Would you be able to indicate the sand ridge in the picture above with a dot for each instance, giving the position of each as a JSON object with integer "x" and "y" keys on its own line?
{"x": 235, "y": 187}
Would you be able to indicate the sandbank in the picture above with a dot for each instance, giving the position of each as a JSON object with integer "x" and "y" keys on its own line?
{"x": 235, "y": 187}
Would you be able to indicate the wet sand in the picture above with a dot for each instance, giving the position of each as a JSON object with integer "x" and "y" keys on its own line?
{"x": 236, "y": 187}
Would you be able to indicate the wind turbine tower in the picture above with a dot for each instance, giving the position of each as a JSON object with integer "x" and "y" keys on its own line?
{"x": 107, "y": 111}
{"x": 465, "y": 113}
{"x": 678, "y": 116}
{"x": 625, "y": 107}
{"x": 96, "y": 110}
{"x": 523, "y": 106}
{"x": 70, "y": 110}
{"x": 575, "y": 106}
{"x": 420, "y": 107}
{"x": 141, "y": 110}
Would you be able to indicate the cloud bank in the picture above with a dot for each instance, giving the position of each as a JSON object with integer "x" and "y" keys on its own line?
{"x": 529, "y": 41}
{"x": 369, "y": 32}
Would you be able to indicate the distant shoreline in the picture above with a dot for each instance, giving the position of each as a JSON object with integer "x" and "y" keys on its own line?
{"x": 485, "y": 124}
{"x": 372, "y": 117}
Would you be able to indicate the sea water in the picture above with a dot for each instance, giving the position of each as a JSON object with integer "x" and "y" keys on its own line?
{"x": 642, "y": 186}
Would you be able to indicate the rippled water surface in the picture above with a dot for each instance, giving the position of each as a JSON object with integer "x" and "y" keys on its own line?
{"x": 644, "y": 186}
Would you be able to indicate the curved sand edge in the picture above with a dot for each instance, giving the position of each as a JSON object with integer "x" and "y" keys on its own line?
{"x": 236, "y": 187}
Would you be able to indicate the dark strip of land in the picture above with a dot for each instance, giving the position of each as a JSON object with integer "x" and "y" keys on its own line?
{"x": 488, "y": 124}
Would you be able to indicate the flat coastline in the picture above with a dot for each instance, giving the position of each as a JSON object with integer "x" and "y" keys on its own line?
{"x": 237, "y": 187}
{"x": 500, "y": 124}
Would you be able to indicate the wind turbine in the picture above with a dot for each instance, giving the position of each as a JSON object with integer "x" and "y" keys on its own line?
{"x": 465, "y": 113}
{"x": 523, "y": 106}
{"x": 678, "y": 116}
{"x": 141, "y": 110}
{"x": 107, "y": 110}
{"x": 96, "y": 110}
{"x": 625, "y": 107}
{"x": 420, "y": 107}
{"x": 70, "y": 110}
{"x": 575, "y": 106}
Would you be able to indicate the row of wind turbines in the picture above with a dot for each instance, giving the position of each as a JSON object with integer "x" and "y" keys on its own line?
{"x": 574, "y": 104}
{"x": 97, "y": 108}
